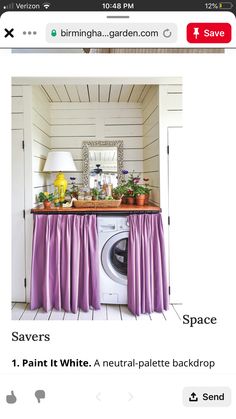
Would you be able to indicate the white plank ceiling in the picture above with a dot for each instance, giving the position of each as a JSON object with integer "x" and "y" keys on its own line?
{"x": 102, "y": 156}
{"x": 96, "y": 93}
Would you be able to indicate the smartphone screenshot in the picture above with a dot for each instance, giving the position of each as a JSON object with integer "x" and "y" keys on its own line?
{"x": 118, "y": 284}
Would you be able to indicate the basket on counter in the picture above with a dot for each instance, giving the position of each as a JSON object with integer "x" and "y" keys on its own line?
{"x": 106, "y": 203}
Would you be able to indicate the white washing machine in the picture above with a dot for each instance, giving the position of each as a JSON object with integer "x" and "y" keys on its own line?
{"x": 113, "y": 252}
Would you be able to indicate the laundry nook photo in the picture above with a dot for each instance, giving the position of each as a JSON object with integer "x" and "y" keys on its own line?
{"x": 91, "y": 197}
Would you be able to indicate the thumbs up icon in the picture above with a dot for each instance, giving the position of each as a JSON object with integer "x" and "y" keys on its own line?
{"x": 11, "y": 398}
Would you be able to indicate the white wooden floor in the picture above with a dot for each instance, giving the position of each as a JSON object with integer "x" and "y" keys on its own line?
{"x": 21, "y": 311}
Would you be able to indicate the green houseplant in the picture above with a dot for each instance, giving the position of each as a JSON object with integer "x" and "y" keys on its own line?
{"x": 46, "y": 198}
{"x": 129, "y": 187}
{"x": 95, "y": 194}
{"x": 139, "y": 193}
{"x": 119, "y": 191}
{"x": 130, "y": 196}
{"x": 132, "y": 190}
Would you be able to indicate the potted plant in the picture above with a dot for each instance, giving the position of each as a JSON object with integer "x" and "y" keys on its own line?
{"x": 119, "y": 192}
{"x": 147, "y": 194}
{"x": 95, "y": 194}
{"x": 74, "y": 190}
{"x": 132, "y": 180}
{"x": 130, "y": 197}
{"x": 129, "y": 187}
{"x": 139, "y": 193}
{"x": 124, "y": 199}
{"x": 46, "y": 198}
{"x": 116, "y": 193}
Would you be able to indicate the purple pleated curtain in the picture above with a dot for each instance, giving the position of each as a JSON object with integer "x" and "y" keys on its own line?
{"x": 65, "y": 271}
{"x": 147, "y": 277}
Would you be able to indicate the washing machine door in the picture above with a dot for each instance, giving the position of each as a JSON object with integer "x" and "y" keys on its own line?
{"x": 114, "y": 257}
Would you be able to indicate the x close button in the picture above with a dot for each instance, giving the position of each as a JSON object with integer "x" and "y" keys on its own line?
{"x": 209, "y": 33}
{"x": 9, "y": 32}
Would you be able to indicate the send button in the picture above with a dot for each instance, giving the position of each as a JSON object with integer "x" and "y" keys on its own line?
{"x": 206, "y": 396}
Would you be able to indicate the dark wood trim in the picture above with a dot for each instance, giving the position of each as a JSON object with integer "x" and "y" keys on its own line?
{"x": 122, "y": 210}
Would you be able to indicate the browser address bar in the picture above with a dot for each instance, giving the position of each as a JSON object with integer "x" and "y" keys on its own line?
{"x": 111, "y": 32}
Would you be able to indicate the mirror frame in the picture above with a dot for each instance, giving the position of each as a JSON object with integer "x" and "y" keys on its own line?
{"x": 86, "y": 145}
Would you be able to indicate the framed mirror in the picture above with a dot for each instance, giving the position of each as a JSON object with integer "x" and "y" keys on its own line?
{"x": 102, "y": 162}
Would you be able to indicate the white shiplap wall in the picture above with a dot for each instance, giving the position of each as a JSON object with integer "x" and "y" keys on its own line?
{"x": 73, "y": 123}
{"x": 65, "y": 125}
{"x": 41, "y": 142}
{"x": 151, "y": 142}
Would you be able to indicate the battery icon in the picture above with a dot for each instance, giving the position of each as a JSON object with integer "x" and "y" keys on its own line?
{"x": 226, "y": 5}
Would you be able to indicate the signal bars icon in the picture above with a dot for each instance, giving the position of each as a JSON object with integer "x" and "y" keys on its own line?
{"x": 9, "y": 6}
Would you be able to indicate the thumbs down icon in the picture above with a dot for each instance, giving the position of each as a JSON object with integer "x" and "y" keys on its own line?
{"x": 39, "y": 394}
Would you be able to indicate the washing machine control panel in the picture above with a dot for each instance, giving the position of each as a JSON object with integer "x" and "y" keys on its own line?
{"x": 124, "y": 224}
{"x": 109, "y": 224}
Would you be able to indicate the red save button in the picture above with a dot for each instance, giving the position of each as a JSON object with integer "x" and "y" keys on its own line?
{"x": 209, "y": 33}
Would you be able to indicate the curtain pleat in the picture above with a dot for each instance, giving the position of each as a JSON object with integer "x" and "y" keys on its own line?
{"x": 147, "y": 277}
{"x": 65, "y": 272}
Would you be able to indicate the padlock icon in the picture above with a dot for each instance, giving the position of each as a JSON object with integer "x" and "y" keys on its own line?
{"x": 54, "y": 32}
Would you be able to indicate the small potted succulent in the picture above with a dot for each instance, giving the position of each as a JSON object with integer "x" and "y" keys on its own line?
{"x": 46, "y": 198}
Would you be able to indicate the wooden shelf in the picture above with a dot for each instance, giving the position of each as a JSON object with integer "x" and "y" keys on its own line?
{"x": 122, "y": 209}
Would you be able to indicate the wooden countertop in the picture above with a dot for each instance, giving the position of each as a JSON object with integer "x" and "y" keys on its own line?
{"x": 127, "y": 209}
